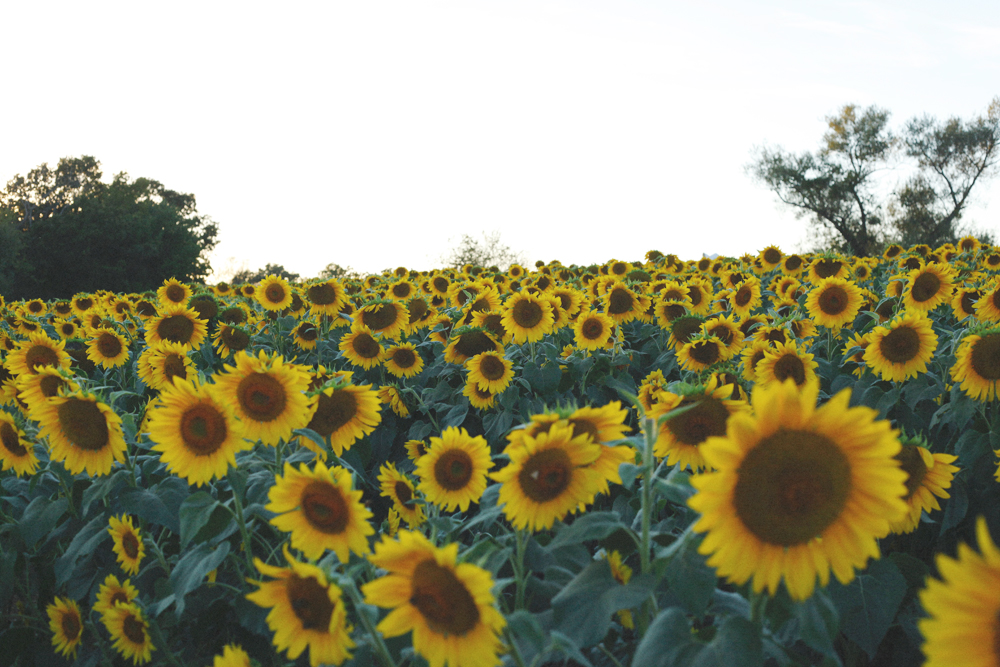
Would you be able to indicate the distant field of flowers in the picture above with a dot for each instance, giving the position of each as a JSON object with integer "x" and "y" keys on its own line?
{"x": 775, "y": 459}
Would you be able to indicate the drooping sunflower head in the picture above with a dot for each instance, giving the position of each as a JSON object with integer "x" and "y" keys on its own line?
{"x": 66, "y": 625}
{"x": 453, "y": 472}
{"x": 128, "y": 546}
{"x": 928, "y": 477}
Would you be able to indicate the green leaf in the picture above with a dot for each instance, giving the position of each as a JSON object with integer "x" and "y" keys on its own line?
{"x": 593, "y": 526}
{"x": 583, "y": 609}
{"x": 629, "y": 472}
{"x": 456, "y": 415}
{"x": 687, "y": 573}
{"x": 568, "y": 647}
{"x": 668, "y": 641}
{"x": 955, "y": 507}
{"x": 84, "y": 543}
{"x": 971, "y": 446}
{"x": 818, "y": 621}
{"x": 193, "y": 567}
{"x": 40, "y": 517}
{"x": 202, "y": 517}
{"x": 526, "y": 629}
{"x": 868, "y": 605}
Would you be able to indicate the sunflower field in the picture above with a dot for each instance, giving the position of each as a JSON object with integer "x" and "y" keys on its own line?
{"x": 776, "y": 459}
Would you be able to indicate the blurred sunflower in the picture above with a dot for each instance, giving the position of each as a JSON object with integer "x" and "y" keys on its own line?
{"x": 834, "y": 302}
{"x": 113, "y": 592}
{"x": 622, "y": 573}
{"x": 453, "y": 472}
{"x": 797, "y": 490}
{"x": 232, "y": 655}
{"x": 389, "y": 394}
{"x": 792, "y": 265}
{"x": 66, "y": 625}
{"x": 447, "y": 605}
{"x": 680, "y": 437}
{"x": 307, "y": 611}
{"x": 267, "y": 394}
{"x": 160, "y": 364}
{"x": 177, "y": 324}
{"x": 37, "y": 351}
{"x": 400, "y": 489}
{"x": 344, "y": 413}
{"x": 128, "y": 546}
{"x": 928, "y": 475}
{"x": 403, "y": 360}
{"x": 827, "y": 267}
{"x": 527, "y": 317}
{"x": 107, "y": 348}
{"x": 67, "y": 329}
{"x": 977, "y": 364}
{"x": 751, "y": 356}
{"x": 491, "y": 371}
{"x": 963, "y": 302}
{"x": 129, "y": 632}
{"x": 415, "y": 449}
{"x": 549, "y": 476}
{"x": 83, "y": 432}
{"x": 961, "y": 608}
{"x": 988, "y": 306}
{"x": 361, "y": 348}
{"x": 16, "y": 451}
{"x": 306, "y": 335}
{"x": 481, "y": 399}
{"x": 196, "y": 432}
{"x": 771, "y": 257}
{"x": 784, "y": 361}
{"x": 321, "y": 509}
{"x": 901, "y": 349}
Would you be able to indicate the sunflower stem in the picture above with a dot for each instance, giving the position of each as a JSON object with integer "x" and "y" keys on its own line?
{"x": 648, "y": 470}
{"x": 379, "y": 642}
{"x": 161, "y": 641}
{"x": 520, "y": 546}
{"x": 241, "y": 522}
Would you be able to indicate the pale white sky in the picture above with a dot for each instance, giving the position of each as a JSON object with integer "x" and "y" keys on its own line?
{"x": 373, "y": 134}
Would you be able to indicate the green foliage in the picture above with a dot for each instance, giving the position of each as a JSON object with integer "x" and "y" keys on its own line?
{"x": 248, "y": 276}
{"x": 76, "y": 233}
{"x": 489, "y": 251}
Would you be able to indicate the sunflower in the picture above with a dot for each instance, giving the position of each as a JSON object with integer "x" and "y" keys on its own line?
{"x": 361, "y": 347}
{"x": 622, "y": 304}
{"x": 901, "y": 348}
{"x": 727, "y": 330}
{"x": 592, "y": 330}
{"x": 977, "y": 364}
{"x": 160, "y": 364}
{"x": 701, "y": 294}
{"x": 268, "y": 395}
{"x": 107, "y": 348}
{"x": 67, "y": 329}
{"x": 988, "y": 306}
{"x": 928, "y": 477}
{"x": 177, "y": 324}
{"x": 962, "y": 608}
{"x": 230, "y": 339}
{"x": 928, "y": 287}
{"x": 527, "y": 317}
{"x": 389, "y": 394}
{"x": 784, "y": 361}
{"x": 232, "y": 655}
{"x": 307, "y": 611}
{"x": 752, "y": 355}
{"x": 397, "y": 487}
{"x": 827, "y": 267}
{"x": 344, "y": 413}
{"x": 321, "y": 509}
{"x": 745, "y": 297}
{"x": 173, "y": 293}
{"x": 467, "y": 342}
{"x": 387, "y": 318}
{"x": 196, "y": 432}
{"x": 128, "y": 546}
{"x": 453, "y": 472}
{"x": 37, "y": 351}
{"x": 273, "y": 293}
{"x": 681, "y": 437}
{"x": 129, "y": 632}
{"x": 447, "y": 605}
{"x": 66, "y": 625}
{"x": 963, "y": 302}
{"x": 549, "y": 476}
{"x": 701, "y": 352}
{"x": 113, "y": 592}
{"x": 834, "y": 302}
{"x": 83, "y": 432}
{"x": 490, "y": 371}
{"x": 622, "y": 573}
{"x": 798, "y": 490}
{"x": 306, "y": 335}
{"x": 326, "y": 297}
{"x": 16, "y": 451}
{"x": 403, "y": 360}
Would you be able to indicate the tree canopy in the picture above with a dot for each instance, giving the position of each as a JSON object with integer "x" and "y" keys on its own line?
{"x": 71, "y": 232}
{"x": 843, "y": 186}
{"x": 487, "y": 252}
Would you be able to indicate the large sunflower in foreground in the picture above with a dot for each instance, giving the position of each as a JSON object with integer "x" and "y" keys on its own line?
{"x": 129, "y": 632}
{"x": 344, "y": 413}
{"x": 928, "y": 477}
{"x": 960, "y": 629}
{"x": 66, "y": 625}
{"x": 16, "y": 451}
{"x": 977, "y": 364}
{"x": 446, "y": 604}
{"x": 83, "y": 432}
{"x": 321, "y": 509}
{"x": 128, "y": 546}
{"x": 453, "y": 472}
{"x": 196, "y": 432}
{"x": 549, "y": 476}
{"x": 797, "y": 490}
{"x": 307, "y": 611}
{"x": 901, "y": 348}
{"x": 267, "y": 394}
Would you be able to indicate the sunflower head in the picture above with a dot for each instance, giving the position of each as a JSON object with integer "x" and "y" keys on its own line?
{"x": 453, "y": 472}
{"x": 66, "y": 625}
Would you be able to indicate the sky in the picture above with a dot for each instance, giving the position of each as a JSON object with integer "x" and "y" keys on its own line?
{"x": 375, "y": 134}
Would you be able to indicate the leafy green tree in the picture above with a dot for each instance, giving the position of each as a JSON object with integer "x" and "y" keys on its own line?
{"x": 79, "y": 234}
{"x": 490, "y": 251}
{"x": 248, "y": 276}
{"x": 332, "y": 270}
{"x": 841, "y": 187}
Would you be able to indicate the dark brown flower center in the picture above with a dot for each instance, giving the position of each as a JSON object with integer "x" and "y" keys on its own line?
{"x": 108, "y": 345}
{"x": 492, "y": 368}
{"x": 308, "y": 332}
{"x": 985, "y": 357}
{"x": 925, "y": 287}
{"x": 790, "y": 366}
{"x": 10, "y": 440}
{"x": 706, "y": 419}
{"x": 176, "y": 328}
{"x": 620, "y": 301}
{"x": 825, "y": 268}
{"x": 471, "y": 343}
{"x": 453, "y": 469}
{"x": 262, "y": 397}
{"x": 311, "y": 602}
{"x": 546, "y": 475}
{"x": 527, "y": 314}
{"x": 791, "y": 487}
{"x": 83, "y": 424}
{"x": 365, "y": 346}
{"x": 235, "y": 339}
{"x": 593, "y": 329}
{"x": 381, "y": 317}
{"x": 833, "y": 300}
{"x": 175, "y": 294}
{"x": 40, "y": 355}
{"x": 705, "y": 352}
{"x": 275, "y": 293}
{"x": 772, "y": 255}
{"x": 743, "y": 296}
{"x": 443, "y": 600}
{"x": 203, "y": 429}
{"x": 900, "y": 345}
{"x": 130, "y": 545}
{"x": 404, "y": 357}
{"x": 71, "y": 625}
{"x": 323, "y": 294}
{"x": 325, "y": 507}
{"x": 333, "y": 412}
{"x": 912, "y": 462}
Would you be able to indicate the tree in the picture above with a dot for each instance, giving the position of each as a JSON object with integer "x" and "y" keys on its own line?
{"x": 247, "y": 276}
{"x": 488, "y": 252}
{"x": 339, "y": 272}
{"x": 79, "y": 234}
{"x": 840, "y": 190}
